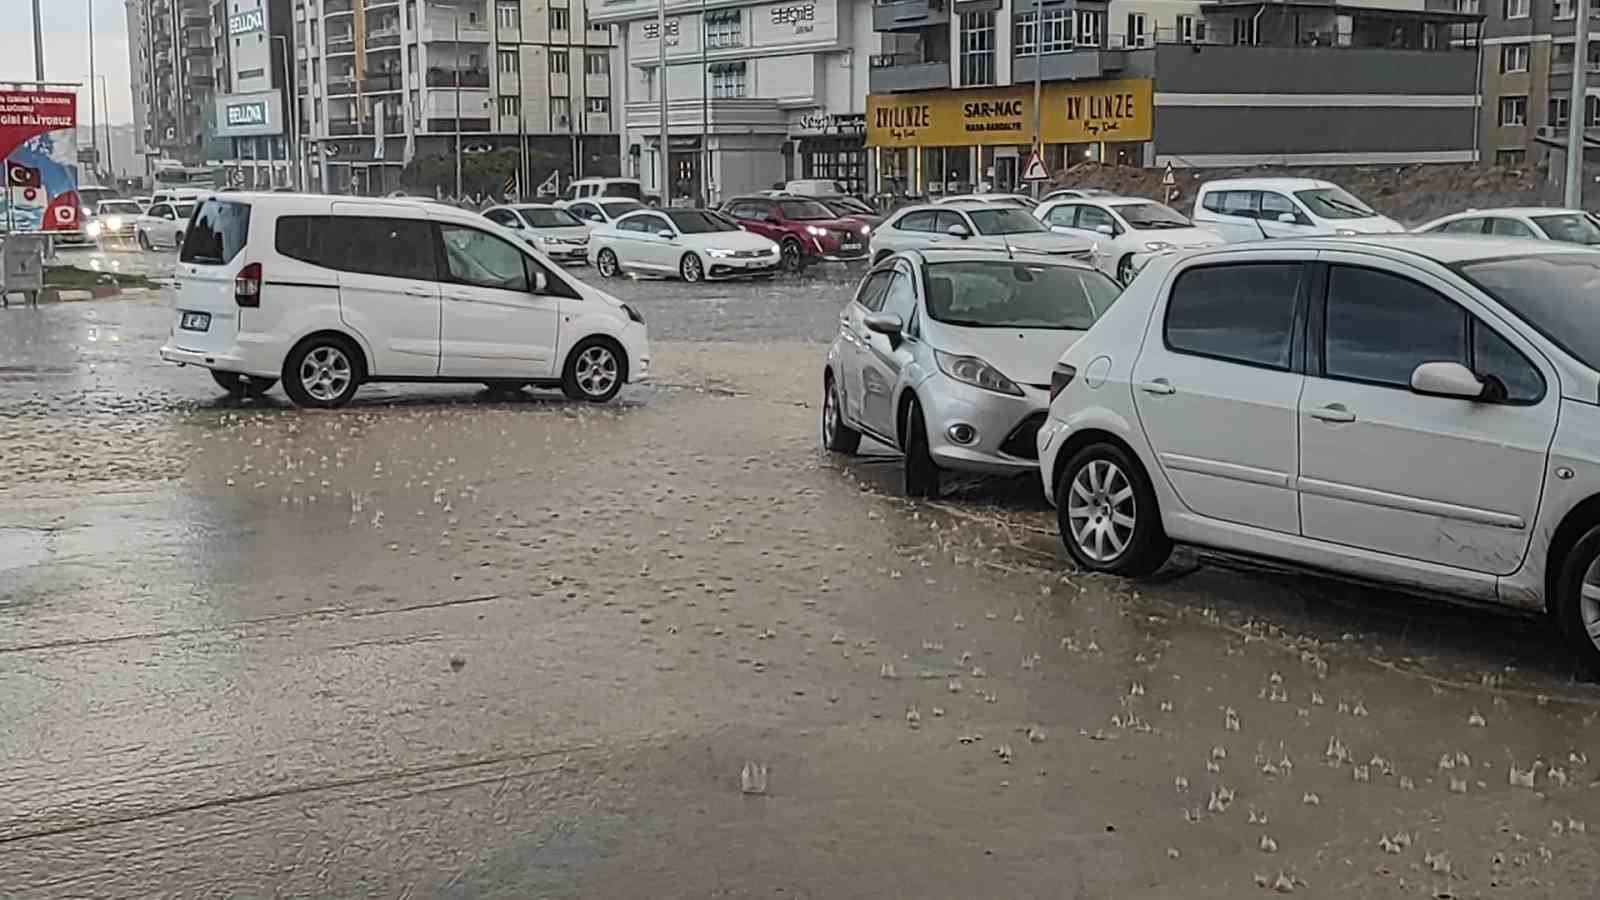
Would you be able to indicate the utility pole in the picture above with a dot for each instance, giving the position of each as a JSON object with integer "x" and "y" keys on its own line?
{"x": 1038, "y": 106}
{"x": 705, "y": 113}
{"x": 94, "y": 114}
{"x": 457, "y": 70}
{"x": 1578, "y": 109}
{"x": 661, "y": 95}
{"x": 38, "y": 45}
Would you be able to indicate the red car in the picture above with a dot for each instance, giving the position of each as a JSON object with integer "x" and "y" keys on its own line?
{"x": 805, "y": 230}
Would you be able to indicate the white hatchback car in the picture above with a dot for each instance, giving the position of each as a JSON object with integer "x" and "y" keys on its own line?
{"x": 1419, "y": 412}
{"x": 1251, "y": 209}
{"x": 1127, "y": 231}
{"x": 162, "y": 224}
{"x": 553, "y": 231}
{"x": 1541, "y": 223}
{"x": 694, "y": 244}
{"x": 326, "y": 293}
{"x": 972, "y": 226}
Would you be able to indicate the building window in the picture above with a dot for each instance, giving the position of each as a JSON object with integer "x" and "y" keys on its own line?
{"x": 1057, "y": 32}
{"x": 599, "y": 104}
{"x": 597, "y": 62}
{"x": 508, "y": 61}
{"x": 1137, "y": 35}
{"x": 1513, "y": 58}
{"x": 1564, "y": 9}
{"x": 559, "y": 20}
{"x": 1591, "y": 112}
{"x": 1514, "y": 9}
{"x": 560, "y": 113}
{"x": 724, "y": 28}
{"x": 508, "y": 15}
{"x": 1560, "y": 112}
{"x": 977, "y": 49}
{"x": 1191, "y": 29}
{"x": 728, "y": 80}
{"x": 1245, "y": 31}
{"x": 558, "y": 62}
{"x": 1091, "y": 25}
{"x": 1513, "y": 111}
{"x": 601, "y": 27}
{"x": 1510, "y": 157}
{"x": 509, "y": 106}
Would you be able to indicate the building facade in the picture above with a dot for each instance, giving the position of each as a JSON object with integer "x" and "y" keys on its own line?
{"x": 379, "y": 82}
{"x": 170, "y": 47}
{"x": 757, "y": 93}
{"x": 250, "y": 61}
{"x": 1530, "y": 55}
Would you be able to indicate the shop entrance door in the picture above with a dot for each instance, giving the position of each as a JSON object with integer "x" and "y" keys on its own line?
{"x": 1005, "y": 174}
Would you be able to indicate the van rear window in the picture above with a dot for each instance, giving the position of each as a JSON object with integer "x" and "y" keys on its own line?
{"x": 217, "y": 233}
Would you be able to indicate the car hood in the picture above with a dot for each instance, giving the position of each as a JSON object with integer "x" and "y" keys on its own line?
{"x": 1372, "y": 225}
{"x": 1044, "y": 242}
{"x": 843, "y": 224}
{"x": 1185, "y": 238}
{"x": 1024, "y": 355}
{"x": 729, "y": 240}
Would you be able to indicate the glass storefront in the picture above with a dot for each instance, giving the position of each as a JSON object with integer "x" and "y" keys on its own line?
{"x": 842, "y": 159}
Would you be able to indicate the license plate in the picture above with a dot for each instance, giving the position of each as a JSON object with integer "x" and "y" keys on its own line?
{"x": 193, "y": 321}
{"x": 850, "y": 246}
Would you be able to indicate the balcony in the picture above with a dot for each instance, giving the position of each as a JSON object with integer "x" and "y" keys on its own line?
{"x": 381, "y": 82}
{"x": 344, "y": 128}
{"x": 379, "y": 40}
{"x": 1070, "y": 65}
{"x": 340, "y": 85}
{"x": 332, "y": 7}
{"x": 444, "y": 27}
{"x": 449, "y": 125}
{"x": 341, "y": 43}
{"x": 907, "y": 15}
{"x": 447, "y": 77}
{"x": 903, "y": 72}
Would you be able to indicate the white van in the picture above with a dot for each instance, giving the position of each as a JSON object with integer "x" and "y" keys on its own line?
{"x": 815, "y": 187}
{"x": 1250, "y": 209}
{"x": 608, "y": 188}
{"x": 325, "y": 293}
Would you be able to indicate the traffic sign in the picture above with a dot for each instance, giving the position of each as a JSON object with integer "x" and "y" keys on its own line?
{"x": 1167, "y": 177}
{"x": 1035, "y": 170}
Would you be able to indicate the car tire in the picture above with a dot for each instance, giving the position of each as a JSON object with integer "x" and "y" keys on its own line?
{"x": 921, "y": 472}
{"x": 238, "y": 385}
{"x": 1125, "y": 268}
{"x": 691, "y": 269}
{"x": 323, "y": 371}
{"x": 836, "y": 435}
{"x": 1577, "y": 618}
{"x": 790, "y": 255}
{"x": 144, "y": 241}
{"x": 595, "y": 370}
{"x": 1100, "y": 486}
{"x": 177, "y": 240}
{"x": 605, "y": 262}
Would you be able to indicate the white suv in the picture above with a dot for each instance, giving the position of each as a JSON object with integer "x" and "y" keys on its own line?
{"x": 326, "y": 293}
{"x": 1420, "y": 412}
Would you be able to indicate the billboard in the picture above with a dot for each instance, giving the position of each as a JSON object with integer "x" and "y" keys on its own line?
{"x": 39, "y": 145}
{"x": 249, "y": 115}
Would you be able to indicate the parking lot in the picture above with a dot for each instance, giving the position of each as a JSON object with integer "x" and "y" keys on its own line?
{"x": 445, "y": 643}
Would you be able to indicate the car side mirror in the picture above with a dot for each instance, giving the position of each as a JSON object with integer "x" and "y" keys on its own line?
{"x": 541, "y": 284}
{"x": 666, "y": 234}
{"x": 1106, "y": 230}
{"x": 1061, "y": 229}
{"x": 884, "y": 323}
{"x": 1287, "y": 218}
{"x": 958, "y": 230}
{"x": 1447, "y": 379}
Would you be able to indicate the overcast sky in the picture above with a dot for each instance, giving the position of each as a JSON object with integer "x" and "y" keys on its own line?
{"x": 66, "y": 49}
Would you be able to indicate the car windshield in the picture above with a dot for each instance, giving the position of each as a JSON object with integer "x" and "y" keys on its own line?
{"x": 1334, "y": 203}
{"x": 1559, "y": 294}
{"x": 623, "y": 189}
{"x": 119, "y": 207}
{"x": 804, "y": 210}
{"x": 1007, "y": 294}
{"x": 615, "y": 208}
{"x": 1573, "y": 228}
{"x": 548, "y": 217}
{"x": 1152, "y": 215}
{"x": 697, "y": 221}
{"x": 1004, "y": 221}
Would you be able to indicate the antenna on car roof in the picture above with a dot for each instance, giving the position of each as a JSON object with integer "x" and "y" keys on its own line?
{"x": 1007, "y": 242}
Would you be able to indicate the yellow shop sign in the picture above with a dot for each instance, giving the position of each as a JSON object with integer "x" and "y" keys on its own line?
{"x": 1074, "y": 113}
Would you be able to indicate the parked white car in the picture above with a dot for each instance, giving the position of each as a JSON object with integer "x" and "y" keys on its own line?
{"x": 972, "y": 226}
{"x": 593, "y": 213}
{"x": 1571, "y": 226}
{"x": 1251, "y": 209}
{"x": 1418, "y": 412}
{"x": 1020, "y": 201}
{"x": 693, "y": 244}
{"x": 551, "y": 230}
{"x": 815, "y": 187}
{"x": 946, "y": 356}
{"x": 115, "y": 221}
{"x": 162, "y": 224}
{"x": 327, "y": 293}
{"x": 606, "y": 188}
{"x": 1079, "y": 193}
{"x": 1127, "y": 231}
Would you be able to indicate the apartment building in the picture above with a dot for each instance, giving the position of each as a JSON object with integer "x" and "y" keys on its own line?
{"x": 1530, "y": 53}
{"x": 1148, "y": 82}
{"x": 170, "y": 60}
{"x": 251, "y": 46}
{"x": 757, "y": 92}
{"x": 379, "y": 82}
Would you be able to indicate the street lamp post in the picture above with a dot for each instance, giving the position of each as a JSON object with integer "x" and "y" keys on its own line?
{"x": 292, "y": 103}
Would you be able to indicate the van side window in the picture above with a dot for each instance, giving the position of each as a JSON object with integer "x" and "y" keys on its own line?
{"x": 1274, "y": 205}
{"x": 399, "y": 248}
{"x": 1242, "y": 313}
{"x": 480, "y": 259}
{"x": 1237, "y": 203}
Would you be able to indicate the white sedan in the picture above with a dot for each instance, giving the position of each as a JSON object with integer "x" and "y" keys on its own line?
{"x": 1127, "y": 231}
{"x": 972, "y": 226}
{"x": 600, "y": 211}
{"x": 1020, "y": 201}
{"x": 694, "y": 244}
{"x": 553, "y": 231}
{"x": 1544, "y": 223}
{"x": 163, "y": 223}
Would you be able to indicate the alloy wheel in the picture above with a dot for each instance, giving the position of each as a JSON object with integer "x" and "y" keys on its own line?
{"x": 607, "y": 263}
{"x": 830, "y": 415}
{"x": 1589, "y": 602}
{"x": 691, "y": 268}
{"x": 1101, "y": 510}
{"x": 596, "y": 371}
{"x": 325, "y": 373}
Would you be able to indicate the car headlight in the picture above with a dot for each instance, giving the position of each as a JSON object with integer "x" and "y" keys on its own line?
{"x": 1158, "y": 246}
{"x": 1346, "y": 232}
{"x": 93, "y": 229}
{"x": 974, "y": 371}
{"x": 716, "y": 253}
{"x": 114, "y": 222}
{"x": 866, "y": 229}
{"x": 814, "y": 230}
{"x": 85, "y": 211}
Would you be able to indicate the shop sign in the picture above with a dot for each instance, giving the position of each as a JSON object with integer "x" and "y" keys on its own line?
{"x": 1077, "y": 112}
{"x": 819, "y": 122}
{"x": 246, "y": 22}
{"x": 794, "y": 22}
{"x": 249, "y": 115}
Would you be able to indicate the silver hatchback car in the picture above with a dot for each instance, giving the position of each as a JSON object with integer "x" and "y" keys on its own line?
{"x": 946, "y": 356}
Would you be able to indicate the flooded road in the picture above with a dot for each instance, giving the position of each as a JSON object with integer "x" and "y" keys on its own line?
{"x": 442, "y": 643}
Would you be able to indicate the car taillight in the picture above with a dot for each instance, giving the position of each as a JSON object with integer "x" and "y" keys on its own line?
{"x": 1060, "y": 377}
{"x": 247, "y": 286}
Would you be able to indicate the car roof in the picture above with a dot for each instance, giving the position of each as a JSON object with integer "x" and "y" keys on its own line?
{"x": 1257, "y": 184}
{"x": 1512, "y": 211}
{"x": 1447, "y": 249}
{"x": 313, "y": 203}
{"x": 972, "y": 254}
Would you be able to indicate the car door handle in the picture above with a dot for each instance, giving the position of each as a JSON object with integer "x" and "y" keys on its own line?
{"x": 1333, "y": 412}
{"x": 418, "y": 292}
{"x": 1158, "y": 386}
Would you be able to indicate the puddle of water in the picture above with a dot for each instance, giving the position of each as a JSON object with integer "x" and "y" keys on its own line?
{"x": 22, "y": 547}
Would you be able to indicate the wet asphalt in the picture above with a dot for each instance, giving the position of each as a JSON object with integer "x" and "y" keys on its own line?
{"x": 443, "y": 643}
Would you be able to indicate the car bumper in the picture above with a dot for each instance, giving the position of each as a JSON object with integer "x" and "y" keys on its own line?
{"x": 741, "y": 267}
{"x": 1048, "y": 442}
{"x": 636, "y": 343}
{"x": 1003, "y": 426}
{"x": 578, "y": 253}
{"x": 264, "y": 360}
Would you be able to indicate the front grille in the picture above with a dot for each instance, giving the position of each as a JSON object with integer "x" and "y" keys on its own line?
{"x": 749, "y": 254}
{"x": 1021, "y": 441}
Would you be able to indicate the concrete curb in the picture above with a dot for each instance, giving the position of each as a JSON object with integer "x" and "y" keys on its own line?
{"x": 68, "y": 295}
